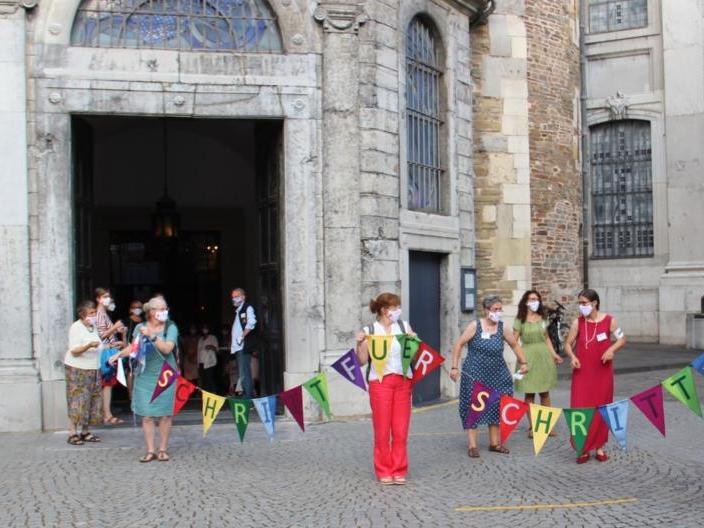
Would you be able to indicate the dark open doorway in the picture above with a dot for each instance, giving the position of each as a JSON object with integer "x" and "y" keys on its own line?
{"x": 223, "y": 177}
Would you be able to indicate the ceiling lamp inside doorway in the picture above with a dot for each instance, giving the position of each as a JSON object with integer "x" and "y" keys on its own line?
{"x": 165, "y": 218}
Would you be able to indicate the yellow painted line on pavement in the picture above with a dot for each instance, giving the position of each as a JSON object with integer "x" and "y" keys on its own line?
{"x": 609, "y": 502}
{"x": 434, "y": 406}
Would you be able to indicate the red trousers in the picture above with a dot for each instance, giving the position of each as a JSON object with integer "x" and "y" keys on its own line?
{"x": 390, "y": 401}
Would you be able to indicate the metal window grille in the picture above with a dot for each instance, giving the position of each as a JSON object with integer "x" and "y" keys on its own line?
{"x": 198, "y": 25}
{"x": 423, "y": 123}
{"x": 614, "y": 15}
{"x": 622, "y": 191}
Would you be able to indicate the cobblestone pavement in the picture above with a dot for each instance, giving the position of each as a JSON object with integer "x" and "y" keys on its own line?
{"x": 323, "y": 477}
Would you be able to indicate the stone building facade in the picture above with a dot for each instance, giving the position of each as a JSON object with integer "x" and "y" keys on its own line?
{"x": 644, "y": 106}
{"x": 335, "y": 78}
{"x": 526, "y": 138}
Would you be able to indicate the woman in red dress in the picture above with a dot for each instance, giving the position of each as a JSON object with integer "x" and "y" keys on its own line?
{"x": 598, "y": 337}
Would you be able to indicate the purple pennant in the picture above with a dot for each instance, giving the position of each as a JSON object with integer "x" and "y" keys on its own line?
{"x": 483, "y": 398}
{"x": 349, "y": 368}
{"x": 166, "y": 378}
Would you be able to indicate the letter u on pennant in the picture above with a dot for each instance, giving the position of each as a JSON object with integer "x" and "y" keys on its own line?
{"x": 379, "y": 352}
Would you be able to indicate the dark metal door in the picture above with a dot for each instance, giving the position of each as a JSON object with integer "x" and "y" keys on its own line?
{"x": 424, "y": 314}
{"x": 82, "y": 143}
{"x": 269, "y": 191}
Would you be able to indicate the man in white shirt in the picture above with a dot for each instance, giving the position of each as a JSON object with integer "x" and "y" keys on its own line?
{"x": 243, "y": 339}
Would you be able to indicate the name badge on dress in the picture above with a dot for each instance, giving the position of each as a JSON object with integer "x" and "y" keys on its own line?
{"x": 601, "y": 337}
{"x": 486, "y": 335}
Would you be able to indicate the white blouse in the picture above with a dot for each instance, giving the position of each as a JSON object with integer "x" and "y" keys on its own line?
{"x": 393, "y": 365}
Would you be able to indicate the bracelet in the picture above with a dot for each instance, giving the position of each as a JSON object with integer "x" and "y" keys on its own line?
{"x": 522, "y": 362}
{"x": 454, "y": 368}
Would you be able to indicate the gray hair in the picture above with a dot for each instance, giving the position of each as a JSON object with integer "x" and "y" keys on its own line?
{"x": 150, "y": 305}
{"x": 491, "y": 300}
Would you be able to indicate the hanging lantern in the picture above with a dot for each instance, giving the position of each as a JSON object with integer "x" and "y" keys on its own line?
{"x": 165, "y": 219}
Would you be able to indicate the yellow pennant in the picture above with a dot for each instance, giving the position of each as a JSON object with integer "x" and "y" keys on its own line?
{"x": 212, "y": 403}
{"x": 379, "y": 352}
{"x": 543, "y": 421}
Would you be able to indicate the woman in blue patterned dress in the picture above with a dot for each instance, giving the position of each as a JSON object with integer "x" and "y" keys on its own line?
{"x": 163, "y": 336}
{"x": 485, "y": 363}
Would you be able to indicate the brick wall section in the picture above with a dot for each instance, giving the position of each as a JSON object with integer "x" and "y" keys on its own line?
{"x": 556, "y": 186}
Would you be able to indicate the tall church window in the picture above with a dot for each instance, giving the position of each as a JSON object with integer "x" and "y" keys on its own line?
{"x": 197, "y": 25}
{"x": 615, "y": 15}
{"x": 424, "y": 126}
{"x": 621, "y": 189}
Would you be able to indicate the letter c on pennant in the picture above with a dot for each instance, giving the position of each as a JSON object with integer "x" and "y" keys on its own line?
{"x": 504, "y": 413}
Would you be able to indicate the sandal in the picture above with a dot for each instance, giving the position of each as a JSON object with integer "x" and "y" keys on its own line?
{"x": 400, "y": 480}
{"x": 113, "y": 420}
{"x": 602, "y": 457}
{"x": 498, "y": 448}
{"x": 386, "y": 481}
{"x": 90, "y": 437}
{"x": 148, "y": 457}
{"x": 583, "y": 458}
{"x": 163, "y": 456}
{"x": 75, "y": 439}
{"x": 473, "y": 452}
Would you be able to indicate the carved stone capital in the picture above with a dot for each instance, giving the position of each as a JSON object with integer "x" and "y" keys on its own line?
{"x": 9, "y": 7}
{"x": 617, "y": 105}
{"x": 340, "y": 18}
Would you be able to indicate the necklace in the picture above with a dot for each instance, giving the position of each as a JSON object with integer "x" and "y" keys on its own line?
{"x": 586, "y": 332}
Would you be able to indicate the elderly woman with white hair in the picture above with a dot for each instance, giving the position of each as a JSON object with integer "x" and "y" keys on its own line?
{"x": 161, "y": 335}
{"x": 485, "y": 363}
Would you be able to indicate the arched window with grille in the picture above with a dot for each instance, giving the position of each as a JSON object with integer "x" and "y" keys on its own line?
{"x": 621, "y": 189}
{"x": 423, "y": 116}
{"x": 185, "y": 25}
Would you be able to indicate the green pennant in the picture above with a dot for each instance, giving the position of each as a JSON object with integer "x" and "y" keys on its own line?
{"x": 318, "y": 388}
{"x": 409, "y": 347}
{"x": 578, "y": 422}
{"x": 240, "y": 412}
{"x": 681, "y": 385}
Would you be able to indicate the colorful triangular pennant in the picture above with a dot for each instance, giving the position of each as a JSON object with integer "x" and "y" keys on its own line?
{"x": 184, "y": 389}
{"x": 698, "y": 364}
{"x": 650, "y": 403}
{"x": 616, "y": 417}
{"x": 578, "y": 422}
{"x": 293, "y": 400}
{"x": 409, "y": 349}
{"x": 121, "y": 378}
{"x": 349, "y": 368}
{"x": 212, "y": 403}
{"x": 167, "y": 376}
{"x": 511, "y": 411}
{"x": 240, "y": 412}
{"x": 543, "y": 420}
{"x": 681, "y": 385}
{"x": 317, "y": 386}
{"x": 426, "y": 361}
{"x": 483, "y": 398}
{"x": 379, "y": 352}
{"x": 266, "y": 408}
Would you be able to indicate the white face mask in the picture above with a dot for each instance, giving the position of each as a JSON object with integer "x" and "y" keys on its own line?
{"x": 137, "y": 311}
{"x": 394, "y": 315}
{"x": 92, "y": 320}
{"x": 111, "y": 307}
{"x": 533, "y": 305}
{"x": 237, "y": 301}
{"x": 162, "y": 315}
{"x": 586, "y": 309}
{"x": 496, "y": 316}
{"x": 107, "y": 301}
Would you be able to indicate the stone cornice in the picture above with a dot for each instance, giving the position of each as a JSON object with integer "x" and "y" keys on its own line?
{"x": 9, "y": 7}
{"x": 340, "y": 18}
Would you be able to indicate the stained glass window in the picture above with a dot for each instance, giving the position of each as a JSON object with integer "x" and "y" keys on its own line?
{"x": 615, "y": 15}
{"x": 622, "y": 189}
{"x": 198, "y": 25}
{"x": 423, "y": 123}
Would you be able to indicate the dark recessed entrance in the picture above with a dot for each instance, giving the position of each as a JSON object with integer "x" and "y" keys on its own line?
{"x": 219, "y": 227}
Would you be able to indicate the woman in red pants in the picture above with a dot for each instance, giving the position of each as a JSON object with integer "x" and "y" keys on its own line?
{"x": 597, "y": 337}
{"x": 389, "y": 397}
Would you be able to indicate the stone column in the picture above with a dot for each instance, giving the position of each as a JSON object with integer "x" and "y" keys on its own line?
{"x": 682, "y": 284}
{"x": 20, "y": 395}
{"x": 341, "y": 180}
